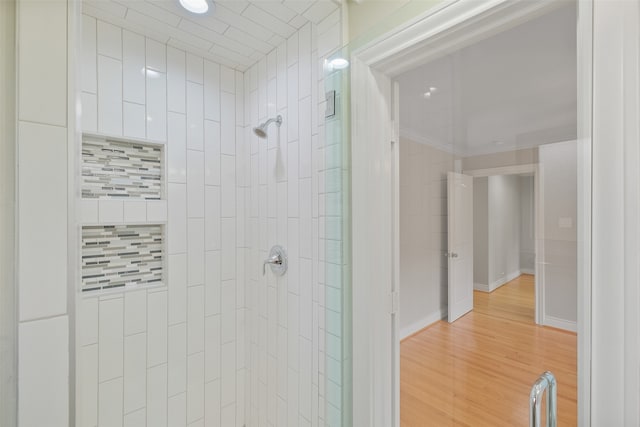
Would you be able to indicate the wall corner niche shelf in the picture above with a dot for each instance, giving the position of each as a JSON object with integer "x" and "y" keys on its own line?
{"x": 123, "y": 214}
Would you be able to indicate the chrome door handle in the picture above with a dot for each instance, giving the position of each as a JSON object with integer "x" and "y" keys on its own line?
{"x": 450, "y": 255}
{"x": 546, "y": 382}
{"x": 277, "y": 260}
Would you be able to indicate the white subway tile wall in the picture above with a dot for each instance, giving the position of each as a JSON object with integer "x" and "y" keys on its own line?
{"x": 223, "y": 344}
{"x": 43, "y": 201}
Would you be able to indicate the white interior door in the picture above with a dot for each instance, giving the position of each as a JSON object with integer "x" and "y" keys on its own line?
{"x": 460, "y": 248}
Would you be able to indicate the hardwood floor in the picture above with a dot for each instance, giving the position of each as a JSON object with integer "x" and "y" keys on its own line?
{"x": 479, "y": 370}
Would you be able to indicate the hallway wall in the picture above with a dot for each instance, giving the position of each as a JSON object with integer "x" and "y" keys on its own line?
{"x": 527, "y": 224}
{"x": 423, "y": 235}
{"x": 503, "y": 230}
{"x": 559, "y": 257}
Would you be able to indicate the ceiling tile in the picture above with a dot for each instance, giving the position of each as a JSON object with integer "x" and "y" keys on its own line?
{"x": 263, "y": 18}
{"x": 320, "y": 10}
{"x": 244, "y": 38}
{"x": 236, "y": 33}
{"x": 138, "y": 18}
{"x": 207, "y": 20}
{"x": 243, "y": 24}
{"x": 214, "y": 37}
{"x": 277, "y": 9}
{"x": 298, "y": 22}
{"x": 238, "y": 6}
{"x": 152, "y": 11}
{"x": 112, "y": 8}
{"x": 298, "y": 6}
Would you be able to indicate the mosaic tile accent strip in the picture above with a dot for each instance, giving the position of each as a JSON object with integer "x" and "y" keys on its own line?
{"x": 119, "y": 256}
{"x": 118, "y": 170}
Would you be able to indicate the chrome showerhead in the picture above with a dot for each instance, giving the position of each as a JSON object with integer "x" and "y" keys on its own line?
{"x": 261, "y": 131}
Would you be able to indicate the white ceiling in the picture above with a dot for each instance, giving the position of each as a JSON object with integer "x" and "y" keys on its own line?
{"x": 235, "y": 33}
{"x": 514, "y": 90}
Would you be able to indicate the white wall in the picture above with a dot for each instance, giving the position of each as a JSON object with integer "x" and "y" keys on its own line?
{"x": 43, "y": 151}
{"x": 497, "y": 231}
{"x": 504, "y": 229}
{"x": 423, "y": 235}
{"x": 481, "y": 232}
{"x": 175, "y": 354}
{"x": 558, "y": 169}
{"x": 527, "y": 224}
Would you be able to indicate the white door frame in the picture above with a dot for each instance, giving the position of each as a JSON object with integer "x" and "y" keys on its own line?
{"x": 447, "y": 27}
{"x": 531, "y": 168}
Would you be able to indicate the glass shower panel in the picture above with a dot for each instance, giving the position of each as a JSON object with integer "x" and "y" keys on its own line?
{"x": 336, "y": 226}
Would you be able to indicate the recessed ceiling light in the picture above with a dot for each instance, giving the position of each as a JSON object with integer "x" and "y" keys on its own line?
{"x": 195, "y": 6}
{"x": 498, "y": 142}
{"x": 433, "y": 89}
{"x": 339, "y": 63}
{"x": 427, "y": 95}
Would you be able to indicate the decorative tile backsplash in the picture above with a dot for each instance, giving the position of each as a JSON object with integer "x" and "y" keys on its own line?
{"x": 116, "y": 256}
{"x": 121, "y": 170}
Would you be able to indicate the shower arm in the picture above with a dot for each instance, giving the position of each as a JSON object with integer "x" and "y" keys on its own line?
{"x": 276, "y": 120}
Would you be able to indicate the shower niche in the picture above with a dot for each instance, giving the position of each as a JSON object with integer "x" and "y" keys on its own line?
{"x": 124, "y": 213}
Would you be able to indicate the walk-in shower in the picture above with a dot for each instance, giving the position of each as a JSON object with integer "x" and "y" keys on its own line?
{"x": 261, "y": 130}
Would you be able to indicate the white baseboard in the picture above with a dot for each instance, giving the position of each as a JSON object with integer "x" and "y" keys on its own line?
{"x": 483, "y": 287}
{"x": 530, "y": 271}
{"x": 422, "y": 323}
{"x": 503, "y": 280}
{"x": 556, "y": 322}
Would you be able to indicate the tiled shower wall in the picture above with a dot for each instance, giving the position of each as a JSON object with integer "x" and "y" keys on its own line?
{"x": 221, "y": 344}
{"x": 170, "y": 355}
{"x": 285, "y": 196}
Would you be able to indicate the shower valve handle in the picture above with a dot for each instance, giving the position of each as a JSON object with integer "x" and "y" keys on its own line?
{"x": 274, "y": 260}
{"x": 277, "y": 261}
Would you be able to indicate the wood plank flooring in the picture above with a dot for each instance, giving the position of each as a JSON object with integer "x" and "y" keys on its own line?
{"x": 479, "y": 370}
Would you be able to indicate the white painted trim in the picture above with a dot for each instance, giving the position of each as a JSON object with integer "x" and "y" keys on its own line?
{"x": 395, "y": 239}
{"x": 482, "y": 287}
{"x": 504, "y": 280}
{"x": 538, "y": 206}
{"x": 457, "y": 23}
{"x": 74, "y": 212}
{"x": 503, "y": 170}
{"x": 422, "y": 323}
{"x": 530, "y": 271}
{"x": 584, "y": 204}
{"x": 372, "y": 259}
{"x": 556, "y": 322}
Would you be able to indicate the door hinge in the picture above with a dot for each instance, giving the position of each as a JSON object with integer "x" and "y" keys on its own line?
{"x": 394, "y": 302}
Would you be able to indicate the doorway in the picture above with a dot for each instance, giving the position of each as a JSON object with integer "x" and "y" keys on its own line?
{"x": 486, "y": 104}
{"x": 605, "y": 267}
{"x": 448, "y": 140}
